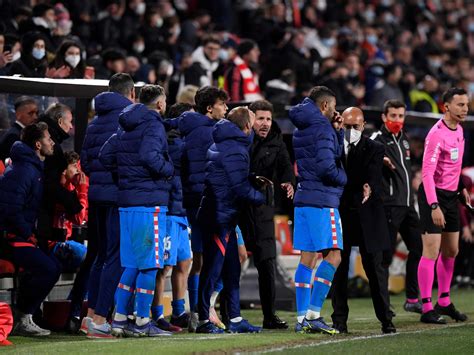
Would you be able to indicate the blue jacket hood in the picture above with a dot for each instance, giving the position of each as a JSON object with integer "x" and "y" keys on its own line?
{"x": 21, "y": 153}
{"x": 225, "y": 129}
{"x": 134, "y": 115}
{"x": 306, "y": 114}
{"x": 110, "y": 101}
{"x": 191, "y": 120}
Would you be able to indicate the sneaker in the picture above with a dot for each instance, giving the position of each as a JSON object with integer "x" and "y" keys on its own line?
{"x": 181, "y": 321}
{"x": 432, "y": 317}
{"x": 209, "y": 328}
{"x": 319, "y": 326}
{"x": 118, "y": 327}
{"x": 301, "y": 327}
{"x": 99, "y": 331}
{"x": 451, "y": 311}
{"x": 164, "y": 325}
{"x": 148, "y": 330}
{"x": 86, "y": 321}
{"x": 413, "y": 307}
{"x": 26, "y": 327}
{"x": 243, "y": 327}
{"x": 193, "y": 322}
{"x": 214, "y": 318}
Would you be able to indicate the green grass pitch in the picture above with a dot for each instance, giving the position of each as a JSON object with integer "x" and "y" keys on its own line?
{"x": 365, "y": 337}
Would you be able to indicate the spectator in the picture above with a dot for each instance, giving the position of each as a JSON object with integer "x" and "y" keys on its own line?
{"x": 26, "y": 113}
{"x": 59, "y": 120}
{"x": 21, "y": 192}
{"x": 187, "y": 95}
{"x": 152, "y": 31}
{"x": 389, "y": 88}
{"x": 205, "y": 63}
{"x": 43, "y": 21}
{"x": 109, "y": 28}
{"x": 113, "y": 61}
{"x": 424, "y": 98}
{"x": 33, "y": 62}
{"x": 192, "y": 29}
{"x": 241, "y": 79}
{"x": 12, "y": 45}
{"x": 69, "y": 56}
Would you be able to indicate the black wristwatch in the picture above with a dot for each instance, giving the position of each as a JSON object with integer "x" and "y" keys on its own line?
{"x": 434, "y": 205}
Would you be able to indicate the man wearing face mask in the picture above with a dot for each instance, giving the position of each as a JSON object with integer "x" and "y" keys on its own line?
{"x": 363, "y": 221}
{"x": 398, "y": 196}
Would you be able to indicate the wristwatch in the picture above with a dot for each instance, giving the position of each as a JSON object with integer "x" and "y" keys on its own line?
{"x": 434, "y": 205}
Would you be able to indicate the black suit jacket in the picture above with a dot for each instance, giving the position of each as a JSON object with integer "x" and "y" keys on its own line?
{"x": 7, "y": 140}
{"x": 364, "y": 223}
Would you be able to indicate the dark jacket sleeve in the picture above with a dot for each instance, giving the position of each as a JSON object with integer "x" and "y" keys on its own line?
{"x": 108, "y": 154}
{"x": 284, "y": 168}
{"x": 154, "y": 151}
{"x": 15, "y": 216}
{"x": 85, "y": 164}
{"x": 326, "y": 158}
{"x": 374, "y": 170}
{"x": 236, "y": 169}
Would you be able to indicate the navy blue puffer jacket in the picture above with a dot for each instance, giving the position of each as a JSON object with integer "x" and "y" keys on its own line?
{"x": 196, "y": 129}
{"x": 176, "y": 147}
{"x": 21, "y": 190}
{"x": 318, "y": 150}
{"x": 138, "y": 154}
{"x": 227, "y": 176}
{"x": 108, "y": 106}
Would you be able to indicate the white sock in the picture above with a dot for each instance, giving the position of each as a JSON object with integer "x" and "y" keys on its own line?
{"x": 140, "y": 321}
{"x": 300, "y": 319}
{"x": 120, "y": 317}
{"x": 236, "y": 319}
{"x": 312, "y": 314}
{"x": 214, "y": 298}
{"x": 201, "y": 322}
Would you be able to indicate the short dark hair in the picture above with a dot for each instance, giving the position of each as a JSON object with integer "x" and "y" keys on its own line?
{"x": 207, "y": 96}
{"x": 121, "y": 83}
{"x": 449, "y": 94}
{"x": 261, "y": 105}
{"x": 390, "y": 69}
{"x": 178, "y": 109}
{"x": 211, "y": 39}
{"x": 393, "y": 104}
{"x": 150, "y": 93}
{"x": 321, "y": 93}
{"x": 240, "y": 116}
{"x": 23, "y": 101}
{"x": 56, "y": 111}
{"x": 245, "y": 46}
{"x": 33, "y": 133}
{"x": 71, "y": 157}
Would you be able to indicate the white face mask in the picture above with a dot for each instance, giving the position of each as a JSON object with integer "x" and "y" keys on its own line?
{"x": 139, "y": 47}
{"x": 38, "y": 53}
{"x": 16, "y": 56}
{"x": 352, "y": 135}
{"x": 140, "y": 9}
{"x": 73, "y": 60}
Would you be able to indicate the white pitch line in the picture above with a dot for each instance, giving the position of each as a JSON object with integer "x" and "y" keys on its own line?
{"x": 365, "y": 337}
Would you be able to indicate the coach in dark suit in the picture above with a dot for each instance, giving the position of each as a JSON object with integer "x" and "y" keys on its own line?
{"x": 363, "y": 222}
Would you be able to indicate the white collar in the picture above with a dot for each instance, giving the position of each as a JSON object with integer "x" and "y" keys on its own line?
{"x": 20, "y": 124}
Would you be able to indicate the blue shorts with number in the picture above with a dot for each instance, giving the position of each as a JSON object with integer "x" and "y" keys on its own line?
{"x": 176, "y": 242}
{"x": 317, "y": 229}
{"x": 142, "y": 232}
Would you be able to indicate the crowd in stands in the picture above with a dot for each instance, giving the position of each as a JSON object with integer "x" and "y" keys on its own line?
{"x": 365, "y": 51}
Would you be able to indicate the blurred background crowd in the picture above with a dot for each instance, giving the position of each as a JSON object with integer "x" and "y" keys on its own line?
{"x": 366, "y": 51}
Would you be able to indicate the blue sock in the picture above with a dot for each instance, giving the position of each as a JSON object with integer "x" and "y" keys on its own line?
{"x": 303, "y": 289}
{"x": 178, "y": 307}
{"x": 146, "y": 281}
{"x": 321, "y": 285}
{"x": 219, "y": 285}
{"x": 125, "y": 290}
{"x": 193, "y": 287}
{"x": 157, "y": 311}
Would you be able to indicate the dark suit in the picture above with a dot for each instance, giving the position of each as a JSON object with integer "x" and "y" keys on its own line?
{"x": 363, "y": 225}
{"x": 7, "y": 140}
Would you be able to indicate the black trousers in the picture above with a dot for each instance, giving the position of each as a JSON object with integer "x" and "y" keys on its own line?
{"x": 405, "y": 220}
{"x": 266, "y": 286}
{"x": 377, "y": 274}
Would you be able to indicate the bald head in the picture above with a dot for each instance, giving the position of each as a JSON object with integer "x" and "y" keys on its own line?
{"x": 353, "y": 117}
